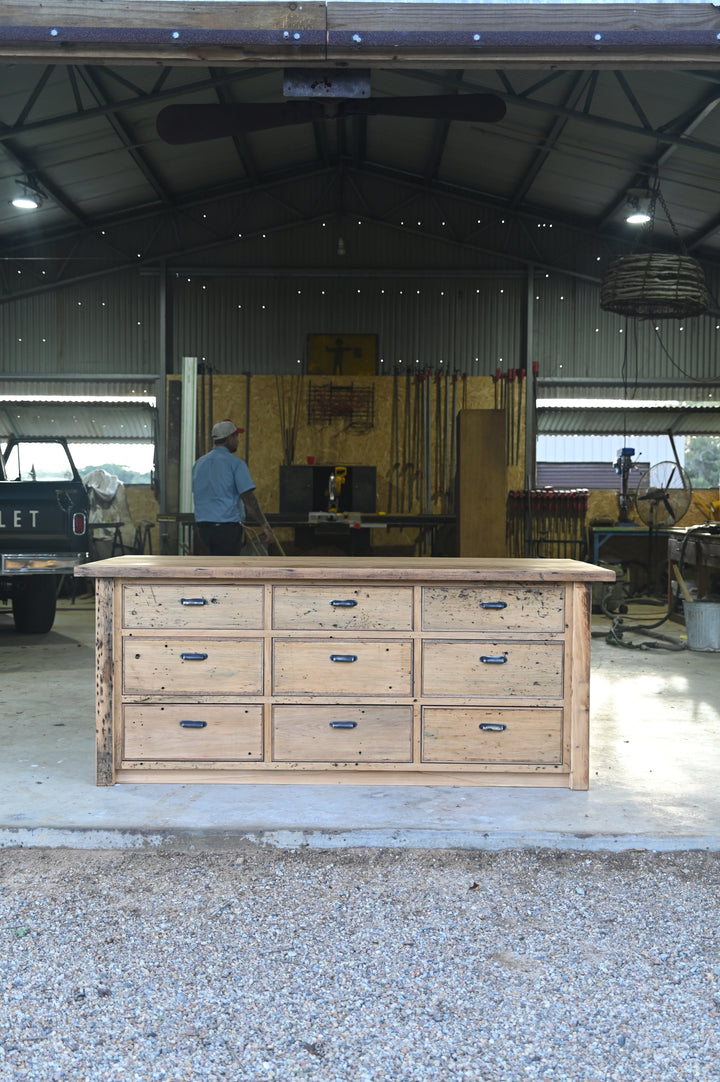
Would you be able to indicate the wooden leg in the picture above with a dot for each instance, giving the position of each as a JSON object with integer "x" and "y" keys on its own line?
{"x": 105, "y": 758}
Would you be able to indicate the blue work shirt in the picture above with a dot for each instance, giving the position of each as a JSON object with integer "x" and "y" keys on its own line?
{"x": 219, "y": 479}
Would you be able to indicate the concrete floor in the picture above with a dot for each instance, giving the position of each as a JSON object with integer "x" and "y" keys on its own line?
{"x": 655, "y": 751}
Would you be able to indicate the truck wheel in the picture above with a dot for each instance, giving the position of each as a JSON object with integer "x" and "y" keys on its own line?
{"x": 34, "y": 605}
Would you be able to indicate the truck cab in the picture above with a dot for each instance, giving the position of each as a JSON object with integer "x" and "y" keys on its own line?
{"x": 43, "y": 527}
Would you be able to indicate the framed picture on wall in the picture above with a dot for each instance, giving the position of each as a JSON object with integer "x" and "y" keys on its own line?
{"x": 342, "y": 354}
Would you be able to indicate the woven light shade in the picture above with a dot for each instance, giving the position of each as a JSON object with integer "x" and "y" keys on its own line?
{"x": 655, "y": 285}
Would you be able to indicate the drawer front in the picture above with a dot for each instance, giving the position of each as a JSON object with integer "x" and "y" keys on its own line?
{"x": 192, "y": 606}
{"x": 192, "y": 666}
{"x": 342, "y": 667}
{"x": 344, "y": 608}
{"x": 191, "y": 733}
{"x": 494, "y": 608}
{"x": 362, "y": 734}
{"x": 474, "y": 735}
{"x": 458, "y": 669}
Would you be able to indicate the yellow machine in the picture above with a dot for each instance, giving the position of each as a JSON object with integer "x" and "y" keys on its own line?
{"x": 335, "y": 483}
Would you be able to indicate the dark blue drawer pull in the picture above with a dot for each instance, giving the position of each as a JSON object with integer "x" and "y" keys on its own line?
{"x": 343, "y": 657}
{"x": 492, "y": 727}
{"x": 349, "y": 604}
{"x": 493, "y": 659}
{"x": 193, "y": 601}
{"x": 343, "y": 725}
{"x": 190, "y": 656}
{"x": 193, "y": 724}
{"x": 493, "y": 604}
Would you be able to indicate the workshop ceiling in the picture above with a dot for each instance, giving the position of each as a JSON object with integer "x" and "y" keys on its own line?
{"x": 571, "y": 144}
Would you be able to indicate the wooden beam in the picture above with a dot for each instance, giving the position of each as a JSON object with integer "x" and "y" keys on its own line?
{"x": 363, "y": 33}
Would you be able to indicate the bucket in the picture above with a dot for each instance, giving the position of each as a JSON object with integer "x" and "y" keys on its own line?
{"x": 702, "y": 621}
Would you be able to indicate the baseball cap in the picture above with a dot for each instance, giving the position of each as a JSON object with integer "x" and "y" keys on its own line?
{"x": 225, "y": 428}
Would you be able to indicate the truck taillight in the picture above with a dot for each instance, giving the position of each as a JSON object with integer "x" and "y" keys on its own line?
{"x": 79, "y": 523}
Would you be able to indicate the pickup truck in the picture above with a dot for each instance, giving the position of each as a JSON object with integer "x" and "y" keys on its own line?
{"x": 43, "y": 527}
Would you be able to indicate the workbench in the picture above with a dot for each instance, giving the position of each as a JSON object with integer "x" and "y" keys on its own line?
{"x": 424, "y": 671}
{"x": 696, "y": 553}
{"x": 355, "y": 529}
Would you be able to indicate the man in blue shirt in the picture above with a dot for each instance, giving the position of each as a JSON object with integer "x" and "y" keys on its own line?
{"x": 224, "y": 494}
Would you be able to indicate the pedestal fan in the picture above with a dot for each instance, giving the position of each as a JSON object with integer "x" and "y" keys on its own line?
{"x": 662, "y": 498}
{"x": 663, "y": 495}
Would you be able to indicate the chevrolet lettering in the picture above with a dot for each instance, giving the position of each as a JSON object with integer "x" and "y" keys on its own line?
{"x": 18, "y": 520}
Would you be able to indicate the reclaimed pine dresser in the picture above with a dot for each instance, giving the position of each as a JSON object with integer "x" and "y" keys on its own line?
{"x": 377, "y": 670}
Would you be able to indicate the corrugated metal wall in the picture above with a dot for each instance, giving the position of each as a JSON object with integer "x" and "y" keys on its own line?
{"x": 261, "y": 324}
{"x": 465, "y": 320}
{"x": 105, "y": 326}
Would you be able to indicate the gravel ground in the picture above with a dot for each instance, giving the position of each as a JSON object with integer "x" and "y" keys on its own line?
{"x": 359, "y": 965}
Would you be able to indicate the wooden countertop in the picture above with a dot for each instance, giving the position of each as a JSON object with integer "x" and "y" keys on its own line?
{"x": 369, "y": 569}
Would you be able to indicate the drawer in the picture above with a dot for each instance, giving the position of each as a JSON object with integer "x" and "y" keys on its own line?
{"x": 189, "y": 732}
{"x": 458, "y": 669}
{"x": 191, "y": 606}
{"x": 474, "y": 735}
{"x": 494, "y": 608}
{"x": 370, "y": 734}
{"x": 192, "y": 666}
{"x": 376, "y": 608}
{"x": 342, "y": 667}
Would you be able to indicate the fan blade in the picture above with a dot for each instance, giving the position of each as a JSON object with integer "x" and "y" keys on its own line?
{"x": 481, "y": 108}
{"x": 668, "y": 507}
{"x": 183, "y": 124}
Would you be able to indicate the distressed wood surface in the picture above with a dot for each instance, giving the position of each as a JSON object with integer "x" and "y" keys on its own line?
{"x": 104, "y": 684}
{"x": 453, "y": 735}
{"x": 532, "y": 670}
{"x": 381, "y": 608}
{"x": 429, "y": 34}
{"x": 232, "y": 733}
{"x": 157, "y": 667}
{"x": 343, "y": 569}
{"x": 578, "y": 689}
{"x": 380, "y": 734}
{"x": 199, "y": 606}
{"x": 305, "y": 667}
{"x": 458, "y": 608}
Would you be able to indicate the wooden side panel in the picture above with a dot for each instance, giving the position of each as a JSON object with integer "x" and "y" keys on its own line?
{"x": 481, "y": 483}
{"x": 578, "y": 690}
{"x": 104, "y": 638}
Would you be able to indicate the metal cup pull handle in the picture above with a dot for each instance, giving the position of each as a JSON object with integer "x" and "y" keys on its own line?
{"x": 343, "y": 725}
{"x": 190, "y": 655}
{"x": 493, "y": 604}
{"x": 492, "y": 727}
{"x": 193, "y": 601}
{"x": 343, "y": 657}
{"x": 493, "y": 659}
{"x": 341, "y": 603}
{"x": 193, "y": 724}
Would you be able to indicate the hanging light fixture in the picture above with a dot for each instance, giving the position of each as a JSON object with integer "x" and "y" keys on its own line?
{"x": 29, "y": 198}
{"x": 637, "y": 207}
{"x": 655, "y": 285}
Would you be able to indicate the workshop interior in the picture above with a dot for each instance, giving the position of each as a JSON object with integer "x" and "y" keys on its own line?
{"x": 456, "y": 311}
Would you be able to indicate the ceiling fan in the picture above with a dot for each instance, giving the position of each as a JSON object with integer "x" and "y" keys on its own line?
{"x": 196, "y": 123}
